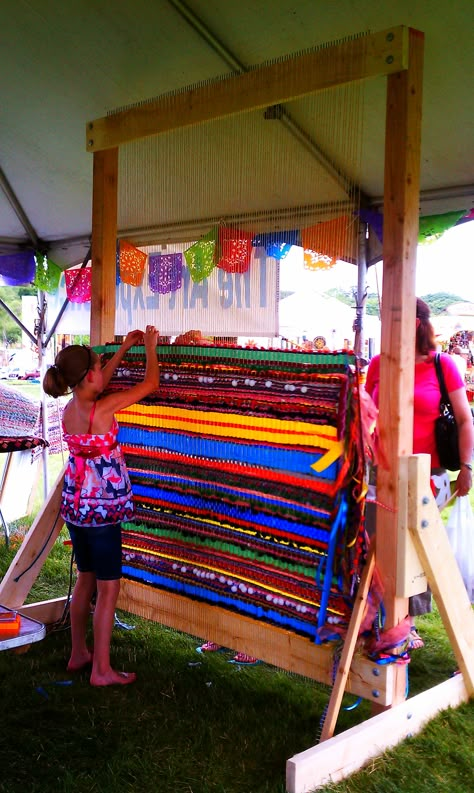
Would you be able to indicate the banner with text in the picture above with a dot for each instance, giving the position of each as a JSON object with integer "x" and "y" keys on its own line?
{"x": 224, "y": 304}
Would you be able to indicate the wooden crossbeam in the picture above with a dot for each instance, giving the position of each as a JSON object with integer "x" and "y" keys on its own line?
{"x": 369, "y": 55}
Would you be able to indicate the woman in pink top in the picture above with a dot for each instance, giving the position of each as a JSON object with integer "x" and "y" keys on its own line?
{"x": 426, "y": 410}
{"x": 96, "y": 495}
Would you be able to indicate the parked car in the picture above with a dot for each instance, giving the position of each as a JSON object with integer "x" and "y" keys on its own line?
{"x": 16, "y": 373}
{"x": 3, "y": 372}
{"x": 30, "y": 374}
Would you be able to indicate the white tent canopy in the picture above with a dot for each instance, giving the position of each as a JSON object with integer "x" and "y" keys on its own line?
{"x": 65, "y": 64}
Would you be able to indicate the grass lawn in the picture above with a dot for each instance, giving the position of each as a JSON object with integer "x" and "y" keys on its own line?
{"x": 194, "y": 724}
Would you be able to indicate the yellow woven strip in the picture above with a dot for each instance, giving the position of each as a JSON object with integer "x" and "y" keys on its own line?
{"x": 330, "y": 457}
{"x": 215, "y": 417}
{"x": 273, "y": 431}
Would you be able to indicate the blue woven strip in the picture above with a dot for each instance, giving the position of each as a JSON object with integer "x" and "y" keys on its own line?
{"x": 210, "y": 492}
{"x": 329, "y": 561}
{"x": 251, "y": 517}
{"x": 201, "y": 593}
{"x": 247, "y": 454}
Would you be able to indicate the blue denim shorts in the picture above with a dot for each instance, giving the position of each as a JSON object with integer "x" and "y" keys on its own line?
{"x": 98, "y": 549}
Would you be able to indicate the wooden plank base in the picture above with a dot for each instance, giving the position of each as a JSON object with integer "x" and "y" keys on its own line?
{"x": 271, "y": 644}
{"x": 350, "y": 751}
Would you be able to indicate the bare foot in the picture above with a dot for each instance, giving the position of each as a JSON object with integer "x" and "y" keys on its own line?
{"x": 113, "y": 678}
{"x": 78, "y": 662}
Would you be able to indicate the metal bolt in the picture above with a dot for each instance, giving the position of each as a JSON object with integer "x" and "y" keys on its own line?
{"x": 390, "y": 36}
{"x": 409, "y": 715}
{"x": 389, "y": 59}
{"x": 90, "y": 142}
{"x": 425, "y": 500}
{"x": 376, "y": 693}
{"x": 376, "y": 672}
{"x": 424, "y": 524}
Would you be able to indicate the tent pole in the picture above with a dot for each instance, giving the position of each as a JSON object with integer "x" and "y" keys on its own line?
{"x": 361, "y": 296}
{"x": 44, "y": 404}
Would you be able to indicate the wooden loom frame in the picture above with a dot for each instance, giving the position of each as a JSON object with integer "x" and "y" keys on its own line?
{"x": 404, "y": 488}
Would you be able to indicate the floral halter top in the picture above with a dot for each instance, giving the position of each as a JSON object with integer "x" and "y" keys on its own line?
{"x": 96, "y": 488}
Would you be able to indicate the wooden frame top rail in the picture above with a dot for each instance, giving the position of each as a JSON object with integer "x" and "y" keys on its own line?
{"x": 286, "y": 79}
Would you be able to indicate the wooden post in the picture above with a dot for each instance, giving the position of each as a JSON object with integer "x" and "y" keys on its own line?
{"x": 104, "y": 240}
{"x": 401, "y": 198}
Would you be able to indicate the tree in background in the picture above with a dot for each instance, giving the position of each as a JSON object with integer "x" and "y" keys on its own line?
{"x": 10, "y": 332}
{"x": 440, "y": 301}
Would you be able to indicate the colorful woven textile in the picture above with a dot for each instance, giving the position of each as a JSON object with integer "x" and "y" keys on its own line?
{"x": 18, "y": 421}
{"x": 18, "y": 414}
{"x": 247, "y": 481}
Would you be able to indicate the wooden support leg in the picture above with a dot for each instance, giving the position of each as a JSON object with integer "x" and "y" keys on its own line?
{"x": 29, "y": 560}
{"x": 349, "y": 647}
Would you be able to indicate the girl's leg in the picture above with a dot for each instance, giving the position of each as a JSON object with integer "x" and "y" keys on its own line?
{"x": 104, "y": 615}
{"x": 80, "y": 610}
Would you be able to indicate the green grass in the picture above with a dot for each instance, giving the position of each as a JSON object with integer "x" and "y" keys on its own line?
{"x": 193, "y": 724}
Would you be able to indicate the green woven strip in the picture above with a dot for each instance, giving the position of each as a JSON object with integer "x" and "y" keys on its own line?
{"x": 173, "y": 351}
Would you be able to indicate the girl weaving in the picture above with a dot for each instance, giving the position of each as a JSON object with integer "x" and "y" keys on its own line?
{"x": 96, "y": 494}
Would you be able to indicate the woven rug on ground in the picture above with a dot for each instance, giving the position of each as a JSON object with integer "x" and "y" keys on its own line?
{"x": 246, "y": 468}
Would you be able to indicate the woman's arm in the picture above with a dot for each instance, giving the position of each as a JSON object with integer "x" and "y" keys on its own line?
{"x": 463, "y": 415}
{"x": 131, "y": 339}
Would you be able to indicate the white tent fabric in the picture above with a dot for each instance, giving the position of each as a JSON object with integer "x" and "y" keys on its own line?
{"x": 64, "y": 64}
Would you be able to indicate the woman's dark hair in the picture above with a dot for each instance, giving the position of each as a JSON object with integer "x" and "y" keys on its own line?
{"x": 70, "y": 367}
{"x": 425, "y": 335}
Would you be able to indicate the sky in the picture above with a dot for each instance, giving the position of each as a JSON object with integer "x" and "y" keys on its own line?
{"x": 446, "y": 265}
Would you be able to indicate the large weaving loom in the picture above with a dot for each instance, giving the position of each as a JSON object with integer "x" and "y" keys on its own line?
{"x": 246, "y": 471}
{"x": 217, "y": 154}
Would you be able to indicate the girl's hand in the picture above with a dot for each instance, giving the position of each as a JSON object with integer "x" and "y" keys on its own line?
{"x": 150, "y": 337}
{"x": 132, "y": 338}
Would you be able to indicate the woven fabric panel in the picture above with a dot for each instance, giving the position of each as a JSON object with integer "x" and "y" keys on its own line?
{"x": 247, "y": 480}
